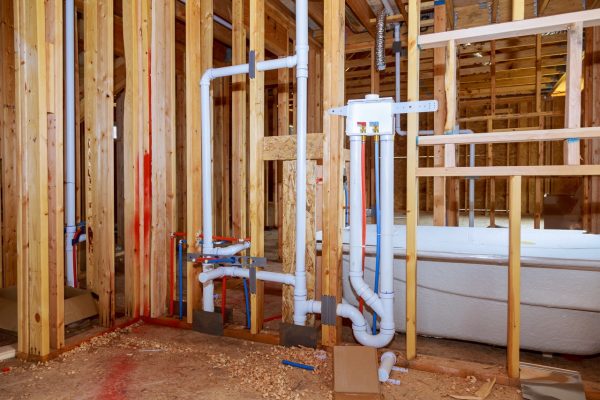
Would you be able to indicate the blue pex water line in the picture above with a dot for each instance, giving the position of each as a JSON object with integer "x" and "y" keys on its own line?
{"x": 346, "y": 200}
{"x": 180, "y": 263}
{"x": 298, "y": 365}
{"x": 228, "y": 260}
{"x": 378, "y": 219}
{"x": 246, "y": 296}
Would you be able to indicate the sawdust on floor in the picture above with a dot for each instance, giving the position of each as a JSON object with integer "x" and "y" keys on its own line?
{"x": 151, "y": 362}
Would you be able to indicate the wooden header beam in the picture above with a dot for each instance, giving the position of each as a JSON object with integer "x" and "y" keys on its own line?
{"x": 511, "y": 29}
{"x": 511, "y": 137}
{"x": 525, "y": 170}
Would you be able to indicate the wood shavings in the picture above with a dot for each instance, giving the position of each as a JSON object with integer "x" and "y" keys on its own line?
{"x": 483, "y": 392}
{"x": 263, "y": 372}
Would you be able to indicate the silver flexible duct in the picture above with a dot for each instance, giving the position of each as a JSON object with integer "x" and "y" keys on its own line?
{"x": 380, "y": 41}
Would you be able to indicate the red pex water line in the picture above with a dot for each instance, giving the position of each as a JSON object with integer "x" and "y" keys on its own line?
{"x": 364, "y": 214}
{"x": 272, "y": 318}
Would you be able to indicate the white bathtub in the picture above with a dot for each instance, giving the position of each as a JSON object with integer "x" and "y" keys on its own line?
{"x": 462, "y": 286}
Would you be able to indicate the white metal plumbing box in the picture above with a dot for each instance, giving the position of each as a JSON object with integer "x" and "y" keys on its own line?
{"x": 370, "y": 116}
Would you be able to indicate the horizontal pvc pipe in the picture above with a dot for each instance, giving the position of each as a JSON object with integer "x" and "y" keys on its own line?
{"x": 388, "y": 360}
{"x": 226, "y": 251}
{"x": 213, "y": 73}
{"x": 431, "y": 133}
{"x": 222, "y": 22}
{"x": 238, "y": 272}
{"x": 218, "y": 20}
{"x": 277, "y": 63}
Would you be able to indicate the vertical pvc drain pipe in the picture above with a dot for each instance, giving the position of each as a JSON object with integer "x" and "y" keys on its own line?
{"x": 300, "y": 291}
{"x": 70, "y": 140}
{"x": 378, "y": 220}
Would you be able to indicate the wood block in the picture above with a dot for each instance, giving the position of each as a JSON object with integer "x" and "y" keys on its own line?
{"x": 355, "y": 373}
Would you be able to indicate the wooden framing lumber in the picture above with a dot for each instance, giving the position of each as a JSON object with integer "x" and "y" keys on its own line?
{"x": 439, "y": 90}
{"x": 136, "y": 15}
{"x": 450, "y": 127}
{"x": 257, "y": 167}
{"x": 34, "y": 98}
{"x": 573, "y": 89}
{"x": 538, "y": 194}
{"x": 10, "y": 143}
{"x": 98, "y": 81}
{"x": 514, "y": 277}
{"x": 412, "y": 193}
{"x": 518, "y": 10}
{"x": 525, "y": 170}
{"x": 288, "y": 238}
{"x": 333, "y": 152}
{"x": 282, "y": 148}
{"x": 490, "y": 123}
{"x": 55, "y": 118}
{"x": 239, "y": 124}
{"x": 512, "y": 137}
{"x": 199, "y": 58}
{"x": 511, "y": 29}
{"x": 32, "y": 236}
{"x": 162, "y": 48}
{"x": 364, "y": 13}
{"x": 283, "y": 129}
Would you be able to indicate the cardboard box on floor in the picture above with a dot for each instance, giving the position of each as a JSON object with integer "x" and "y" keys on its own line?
{"x": 355, "y": 373}
{"x": 79, "y": 304}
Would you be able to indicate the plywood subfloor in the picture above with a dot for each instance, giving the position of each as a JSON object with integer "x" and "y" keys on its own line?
{"x": 151, "y": 362}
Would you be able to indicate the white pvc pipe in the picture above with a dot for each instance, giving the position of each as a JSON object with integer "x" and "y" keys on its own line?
{"x": 229, "y": 250}
{"x": 277, "y": 63}
{"x": 69, "y": 138}
{"x": 237, "y": 272}
{"x": 207, "y": 77}
{"x": 388, "y": 360}
{"x": 222, "y": 22}
{"x": 398, "y": 66}
{"x": 207, "y": 244}
{"x": 386, "y": 256}
{"x": 388, "y": 7}
{"x": 472, "y": 187}
{"x": 356, "y": 205}
{"x": 300, "y": 292}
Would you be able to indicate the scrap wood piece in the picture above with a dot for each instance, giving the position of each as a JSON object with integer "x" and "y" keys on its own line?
{"x": 483, "y": 392}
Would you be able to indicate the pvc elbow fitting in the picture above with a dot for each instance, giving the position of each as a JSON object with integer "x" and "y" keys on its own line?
{"x": 388, "y": 360}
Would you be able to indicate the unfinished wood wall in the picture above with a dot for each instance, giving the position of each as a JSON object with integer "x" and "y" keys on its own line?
{"x": 99, "y": 119}
{"x": 9, "y": 142}
{"x": 162, "y": 149}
